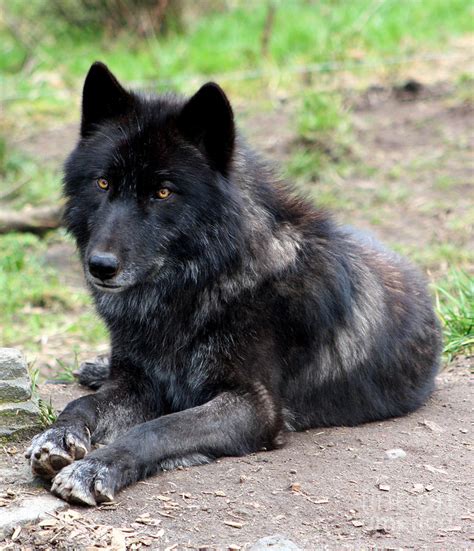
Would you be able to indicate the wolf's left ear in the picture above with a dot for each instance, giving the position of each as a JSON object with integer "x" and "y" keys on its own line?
{"x": 208, "y": 121}
{"x": 103, "y": 98}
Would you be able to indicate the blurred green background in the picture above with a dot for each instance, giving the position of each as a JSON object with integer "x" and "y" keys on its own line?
{"x": 366, "y": 105}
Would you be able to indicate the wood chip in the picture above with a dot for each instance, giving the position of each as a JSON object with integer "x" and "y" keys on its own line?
{"x": 432, "y": 469}
{"x": 117, "y": 542}
{"x": 384, "y": 487}
{"x": 320, "y": 501}
{"x": 295, "y": 487}
{"x": 233, "y": 524}
{"x": 16, "y": 533}
{"x": 48, "y": 523}
{"x": 357, "y": 523}
{"x": 431, "y": 425}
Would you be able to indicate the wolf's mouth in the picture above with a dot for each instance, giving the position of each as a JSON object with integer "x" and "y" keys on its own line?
{"x": 107, "y": 287}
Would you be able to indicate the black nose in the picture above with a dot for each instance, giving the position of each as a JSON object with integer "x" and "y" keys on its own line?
{"x": 103, "y": 265}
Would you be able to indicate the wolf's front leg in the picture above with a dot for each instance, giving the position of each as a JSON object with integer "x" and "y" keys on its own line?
{"x": 111, "y": 411}
{"x": 230, "y": 424}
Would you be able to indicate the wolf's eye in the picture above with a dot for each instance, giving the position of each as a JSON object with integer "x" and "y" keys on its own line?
{"x": 163, "y": 193}
{"x": 103, "y": 184}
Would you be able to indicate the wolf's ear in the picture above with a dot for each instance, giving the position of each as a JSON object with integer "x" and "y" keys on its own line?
{"x": 102, "y": 98}
{"x": 208, "y": 121}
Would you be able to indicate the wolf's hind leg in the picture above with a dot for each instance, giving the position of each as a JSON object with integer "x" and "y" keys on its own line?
{"x": 93, "y": 373}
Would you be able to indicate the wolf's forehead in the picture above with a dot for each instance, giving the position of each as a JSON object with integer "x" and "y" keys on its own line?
{"x": 142, "y": 145}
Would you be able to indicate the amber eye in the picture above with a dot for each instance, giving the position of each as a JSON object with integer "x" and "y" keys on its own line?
{"x": 103, "y": 184}
{"x": 163, "y": 193}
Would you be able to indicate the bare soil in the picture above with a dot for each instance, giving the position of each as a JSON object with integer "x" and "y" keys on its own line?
{"x": 333, "y": 489}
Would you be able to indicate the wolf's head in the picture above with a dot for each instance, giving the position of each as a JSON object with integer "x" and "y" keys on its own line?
{"x": 147, "y": 186}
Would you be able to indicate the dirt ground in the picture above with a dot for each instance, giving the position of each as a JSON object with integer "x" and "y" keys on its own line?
{"x": 326, "y": 489}
{"x": 332, "y": 488}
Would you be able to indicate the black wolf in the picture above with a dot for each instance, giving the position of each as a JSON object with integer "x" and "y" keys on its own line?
{"x": 236, "y": 310}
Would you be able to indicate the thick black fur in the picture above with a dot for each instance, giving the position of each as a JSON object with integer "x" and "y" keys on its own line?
{"x": 236, "y": 310}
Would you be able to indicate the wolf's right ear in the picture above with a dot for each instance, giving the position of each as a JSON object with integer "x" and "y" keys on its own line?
{"x": 208, "y": 121}
{"x": 103, "y": 98}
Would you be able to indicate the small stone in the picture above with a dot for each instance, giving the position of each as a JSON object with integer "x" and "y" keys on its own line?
{"x": 384, "y": 487}
{"x": 29, "y": 510}
{"x": 292, "y": 471}
{"x": 19, "y": 414}
{"x": 358, "y": 523}
{"x": 418, "y": 489}
{"x": 18, "y": 420}
{"x": 274, "y": 543}
{"x": 395, "y": 453}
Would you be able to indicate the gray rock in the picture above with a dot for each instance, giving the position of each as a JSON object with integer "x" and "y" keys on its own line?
{"x": 19, "y": 412}
{"x": 19, "y": 420}
{"x": 274, "y": 543}
{"x": 395, "y": 453}
{"x": 12, "y": 364}
{"x": 15, "y": 390}
{"x": 29, "y": 510}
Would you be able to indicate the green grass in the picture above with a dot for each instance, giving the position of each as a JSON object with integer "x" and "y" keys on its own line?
{"x": 455, "y": 306}
{"x": 324, "y": 140}
{"x": 216, "y": 42}
{"x": 25, "y": 181}
{"x": 33, "y": 303}
{"x": 47, "y": 413}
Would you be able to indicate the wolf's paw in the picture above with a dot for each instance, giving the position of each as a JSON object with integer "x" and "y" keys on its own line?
{"x": 55, "y": 448}
{"x": 88, "y": 482}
